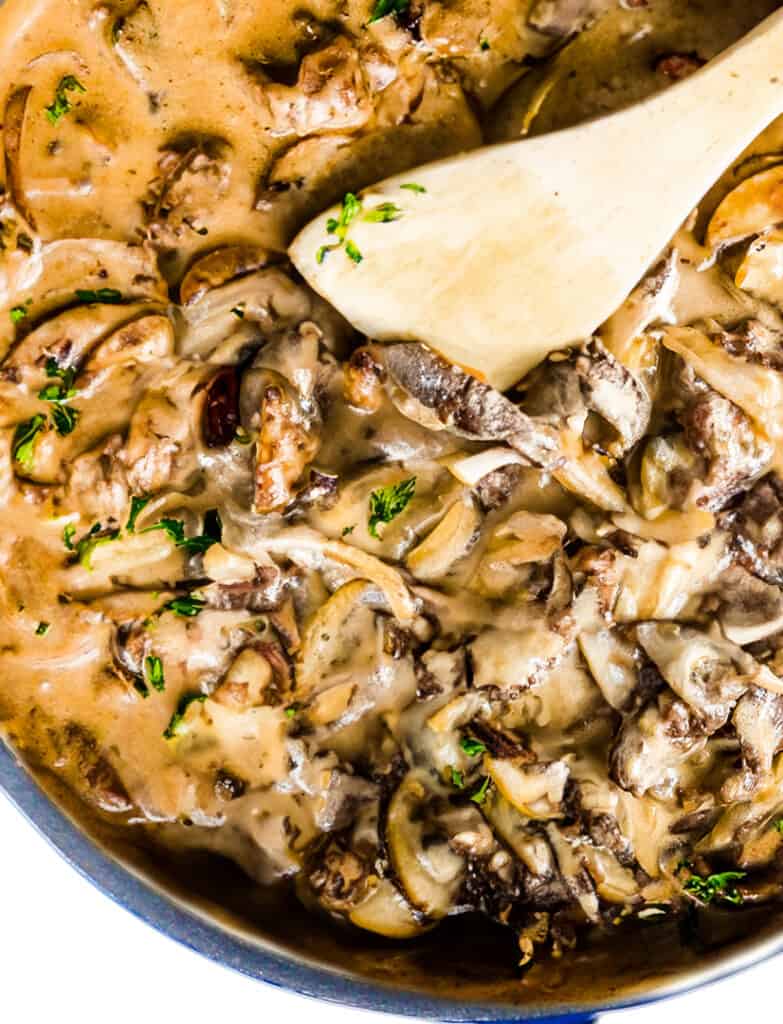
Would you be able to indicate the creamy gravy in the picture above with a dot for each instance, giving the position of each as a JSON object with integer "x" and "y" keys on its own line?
{"x": 321, "y": 640}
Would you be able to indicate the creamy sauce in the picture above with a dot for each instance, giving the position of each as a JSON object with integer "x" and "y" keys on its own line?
{"x": 255, "y": 596}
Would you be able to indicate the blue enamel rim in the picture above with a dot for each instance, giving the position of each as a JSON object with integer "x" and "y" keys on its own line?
{"x": 265, "y": 964}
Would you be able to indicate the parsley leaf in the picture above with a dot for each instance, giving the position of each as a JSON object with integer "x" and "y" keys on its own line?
{"x": 153, "y": 667}
{"x": 69, "y": 532}
{"x": 383, "y": 213}
{"x": 388, "y": 502}
{"x": 348, "y": 530}
{"x": 293, "y": 710}
{"x": 94, "y": 538}
{"x": 61, "y": 104}
{"x": 64, "y": 418}
{"x": 56, "y": 393}
{"x": 108, "y": 296}
{"x": 175, "y": 529}
{"x": 717, "y": 886}
{"x": 187, "y": 607}
{"x": 65, "y": 373}
{"x": 484, "y": 43}
{"x": 25, "y": 438}
{"x": 338, "y": 226}
{"x": 456, "y": 779}
{"x": 472, "y": 747}
{"x": 779, "y": 825}
{"x": 174, "y": 728}
{"x": 385, "y": 7}
{"x": 43, "y": 628}
{"x": 352, "y": 252}
{"x": 17, "y": 314}
{"x": 413, "y": 187}
{"x": 137, "y": 507}
{"x": 481, "y": 793}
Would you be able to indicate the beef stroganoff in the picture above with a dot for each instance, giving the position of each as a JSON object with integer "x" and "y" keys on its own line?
{"x": 340, "y": 611}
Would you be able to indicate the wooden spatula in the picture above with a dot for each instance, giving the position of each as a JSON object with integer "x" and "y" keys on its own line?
{"x": 501, "y": 255}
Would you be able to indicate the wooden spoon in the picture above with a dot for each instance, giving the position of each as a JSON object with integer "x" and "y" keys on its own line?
{"x": 518, "y": 249}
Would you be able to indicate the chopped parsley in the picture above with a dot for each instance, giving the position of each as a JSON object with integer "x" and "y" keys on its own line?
{"x": 456, "y": 779}
{"x": 175, "y": 529}
{"x": 174, "y": 728}
{"x": 717, "y": 886}
{"x": 69, "y": 532}
{"x": 338, "y": 226}
{"x": 481, "y": 793}
{"x": 153, "y": 668}
{"x": 383, "y": 213}
{"x": 42, "y": 628}
{"x": 137, "y": 507}
{"x": 187, "y": 607}
{"x": 484, "y": 43}
{"x": 472, "y": 747}
{"x": 413, "y": 187}
{"x": 18, "y": 313}
{"x": 352, "y": 252}
{"x": 25, "y": 438}
{"x": 61, "y": 104}
{"x": 108, "y": 296}
{"x": 779, "y": 825}
{"x": 64, "y": 418}
{"x": 94, "y": 538}
{"x": 293, "y": 710}
{"x": 388, "y": 502}
{"x": 348, "y": 530}
{"x": 383, "y": 8}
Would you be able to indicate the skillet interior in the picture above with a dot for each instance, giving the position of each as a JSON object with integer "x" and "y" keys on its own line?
{"x": 466, "y": 959}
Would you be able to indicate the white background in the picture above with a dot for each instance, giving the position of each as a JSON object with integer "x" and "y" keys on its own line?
{"x": 68, "y": 955}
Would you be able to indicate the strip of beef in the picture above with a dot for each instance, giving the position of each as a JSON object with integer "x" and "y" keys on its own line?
{"x": 563, "y": 391}
{"x": 758, "y": 721}
{"x": 653, "y": 744}
{"x": 265, "y": 592}
{"x": 757, "y": 529}
{"x": 465, "y": 405}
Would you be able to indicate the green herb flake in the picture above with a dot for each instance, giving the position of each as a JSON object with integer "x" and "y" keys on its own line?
{"x": 154, "y": 671}
{"x": 484, "y": 43}
{"x": 338, "y": 226}
{"x": 69, "y": 532}
{"x": 717, "y": 886}
{"x": 175, "y": 529}
{"x": 64, "y": 418}
{"x": 242, "y": 436}
{"x": 388, "y": 502}
{"x": 174, "y": 728}
{"x": 94, "y": 538}
{"x": 383, "y": 8}
{"x": 107, "y": 296}
{"x": 138, "y": 505}
{"x": 56, "y": 393}
{"x": 456, "y": 779}
{"x": 187, "y": 607}
{"x": 293, "y": 710}
{"x": 43, "y": 628}
{"x": 348, "y": 530}
{"x": 779, "y": 825}
{"x": 352, "y": 252}
{"x": 411, "y": 186}
{"x": 481, "y": 793}
{"x": 25, "y": 438}
{"x": 383, "y": 213}
{"x": 17, "y": 314}
{"x": 472, "y": 747}
{"x": 61, "y": 104}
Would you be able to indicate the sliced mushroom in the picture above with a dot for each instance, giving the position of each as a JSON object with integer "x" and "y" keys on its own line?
{"x": 219, "y": 267}
{"x": 450, "y": 542}
{"x": 428, "y": 870}
{"x": 459, "y": 402}
{"x": 535, "y": 790}
{"x": 755, "y": 204}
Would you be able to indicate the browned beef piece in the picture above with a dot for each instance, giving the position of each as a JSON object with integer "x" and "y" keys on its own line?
{"x": 757, "y": 529}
